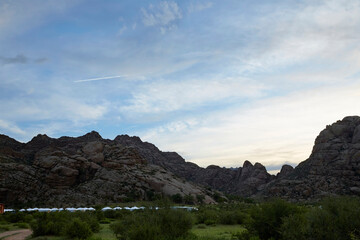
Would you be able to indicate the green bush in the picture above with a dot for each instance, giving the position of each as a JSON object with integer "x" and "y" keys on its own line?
{"x": 232, "y": 217}
{"x": 175, "y": 223}
{"x": 189, "y": 199}
{"x": 56, "y": 223}
{"x": 4, "y": 228}
{"x": 177, "y": 198}
{"x": 78, "y": 229}
{"x": 207, "y": 216}
{"x": 200, "y": 198}
{"x": 105, "y": 221}
{"x": 334, "y": 219}
{"x": 294, "y": 227}
{"x": 90, "y": 218}
{"x": 49, "y": 223}
{"x": 267, "y": 218}
{"x": 150, "y": 225}
{"x": 22, "y": 225}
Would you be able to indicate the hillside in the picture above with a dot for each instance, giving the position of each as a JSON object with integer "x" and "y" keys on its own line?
{"x": 82, "y": 171}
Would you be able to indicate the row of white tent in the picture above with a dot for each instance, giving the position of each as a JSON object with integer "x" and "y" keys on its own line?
{"x": 93, "y": 209}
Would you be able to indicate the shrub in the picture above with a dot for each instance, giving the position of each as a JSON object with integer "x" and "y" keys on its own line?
{"x": 57, "y": 223}
{"x": 177, "y": 198}
{"x": 22, "y": 225}
{"x": 200, "y": 198}
{"x": 150, "y": 225}
{"x": 189, "y": 199}
{"x": 78, "y": 229}
{"x": 267, "y": 218}
{"x": 232, "y": 217}
{"x": 119, "y": 229}
{"x": 208, "y": 216}
{"x": 4, "y": 228}
{"x": 175, "y": 223}
{"x": 336, "y": 218}
{"x": 49, "y": 224}
{"x": 105, "y": 221}
{"x": 294, "y": 227}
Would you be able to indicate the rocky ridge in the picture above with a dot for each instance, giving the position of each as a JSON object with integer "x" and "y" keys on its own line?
{"x": 244, "y": 181}
{"x": 333, "y": 167}
{"x": 82, "y": 171}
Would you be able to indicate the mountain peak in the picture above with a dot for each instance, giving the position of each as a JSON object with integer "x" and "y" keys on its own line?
{"x": 91, "y": 136}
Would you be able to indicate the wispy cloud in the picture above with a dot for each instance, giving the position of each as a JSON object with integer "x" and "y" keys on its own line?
{"x": 164, "y": 96}
{"x": 19, "y": 16}
{"x": 271, "y": 131}
{"x": 163, "y": 15}
{"x": 14, "y": 60}
{"x": 6, "y": 126}
{"x": 20, "y": 59}
{"x": 199, "y": 6}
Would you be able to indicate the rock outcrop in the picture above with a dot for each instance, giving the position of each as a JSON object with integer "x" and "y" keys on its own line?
{"x": 244, "y": 181}
{"x": 333, "y": 167}
{"x": 82, "y": 171}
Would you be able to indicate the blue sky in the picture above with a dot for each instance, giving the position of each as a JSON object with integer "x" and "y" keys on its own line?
{"x": 219, "y": 82}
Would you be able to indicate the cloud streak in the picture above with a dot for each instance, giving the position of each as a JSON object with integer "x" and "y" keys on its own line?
{"x": 100, "y": 78}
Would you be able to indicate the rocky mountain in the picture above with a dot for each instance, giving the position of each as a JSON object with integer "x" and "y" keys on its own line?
{"x": 82, "y": 171}
{"x": 332, "y": 168}
{"x": 91, "y": 170}
{"x": 244, "y": 181}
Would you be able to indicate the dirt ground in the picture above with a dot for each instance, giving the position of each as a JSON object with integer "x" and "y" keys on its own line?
{"x": 16, "y": 234}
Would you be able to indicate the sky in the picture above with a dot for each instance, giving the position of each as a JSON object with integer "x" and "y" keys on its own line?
{"x": 219, "y": 82}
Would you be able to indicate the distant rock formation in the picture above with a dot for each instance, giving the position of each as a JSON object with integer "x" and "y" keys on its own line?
{"x": 82, "y": 171}
{"x": 244, "y": 181}
{"x": 333, "y": 167}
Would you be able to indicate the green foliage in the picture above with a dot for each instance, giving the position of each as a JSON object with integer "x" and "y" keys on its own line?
{"x": 218, "y": 198}
{"x": 57, "y": 223}
{"x": 336, "y": 218}
{"x": 49, "y": 224}
{"x": 244, "y": 235}
{"x": 90, "y": 218}
{"x": 267, "y": 218}
{"x": 15, "y": 217}
{"x": 200, "y": 198}
{"x": 232, "y": 217}
{"x": 294, "y": 227}
{"x": 105, "y": 221}
{"x": 189, "y": 199}
{"x": 78, "y": 229}
{"x": 22, "y": 225}
{"x": 177, "y": 198}
{"x": 4, "y": 228}
{"x": 207, "y": 216}
{"x": 161, "y": 224}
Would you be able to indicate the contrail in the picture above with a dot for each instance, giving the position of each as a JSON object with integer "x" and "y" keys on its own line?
{"x": 101, "y": 78}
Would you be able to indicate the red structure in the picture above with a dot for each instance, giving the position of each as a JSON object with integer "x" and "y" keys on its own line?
{"x": 2, "y": 208}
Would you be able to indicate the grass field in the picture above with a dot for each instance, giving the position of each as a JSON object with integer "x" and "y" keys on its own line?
{"x": 12, "y": 226}
{"x": 105, "y": 233}
{"x": 217, "y": 231}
